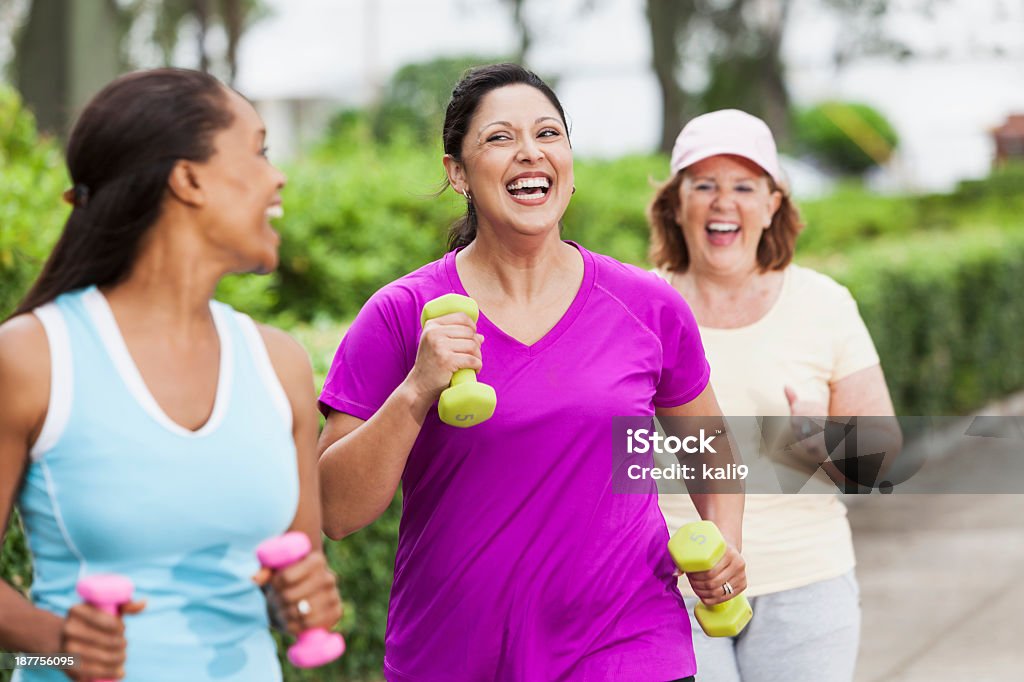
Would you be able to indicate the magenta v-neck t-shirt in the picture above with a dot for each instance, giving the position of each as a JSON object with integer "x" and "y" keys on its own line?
{"x": 516, "y": 561}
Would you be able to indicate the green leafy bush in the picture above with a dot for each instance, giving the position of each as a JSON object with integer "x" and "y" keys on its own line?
{"x": 607, "y": 213}
{"x": 359, "y": 217}
{"x": 31, "y": 210}
{"x": 946, "y": 315}
{"x": 852, "y": 216}
{"x": 847, "y": 136}
{"x": 354, "y": 222}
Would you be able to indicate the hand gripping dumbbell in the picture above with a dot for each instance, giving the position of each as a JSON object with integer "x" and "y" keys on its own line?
{"x": 315, "y": 646}
{"x": 107, "y": 592}
{"x": 698, "y": 547}
{"x": 466, "y": 402}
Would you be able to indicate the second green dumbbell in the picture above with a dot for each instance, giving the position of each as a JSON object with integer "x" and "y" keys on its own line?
{"x": 466, "y": 402}
{"x": 697, "y": 547}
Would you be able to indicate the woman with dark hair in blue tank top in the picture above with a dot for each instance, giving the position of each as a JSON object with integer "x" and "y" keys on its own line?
{"x": 146, "y": 430}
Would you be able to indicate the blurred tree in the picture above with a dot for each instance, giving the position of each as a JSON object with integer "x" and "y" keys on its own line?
{"x": 714, "y": 54}
{"x": 669, "y": 23}
{"x": 522, "y": 29}
{"x": 736, "y": 42}
{"x": 862, "y": 20}
{"x": 414, "y": 100}
{"x": 169, "y": 19}
{"x": 747, "y": 71}
{"x": 67, "y": 49}
{"x": 526, "y": 35}
{"x": 65, "y": 52}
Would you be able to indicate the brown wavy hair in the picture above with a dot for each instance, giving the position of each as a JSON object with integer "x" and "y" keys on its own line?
{"x": 668, "y": 249}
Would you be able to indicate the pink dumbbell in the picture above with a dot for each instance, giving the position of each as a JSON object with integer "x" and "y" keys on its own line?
{"x": 106, "y": 592}
{"x": 315, "y": 646}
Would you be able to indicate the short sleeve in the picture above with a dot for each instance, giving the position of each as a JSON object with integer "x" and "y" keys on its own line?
{"x": 685, "y": 370}
{"x": 854, "y": 349}
{"x": 371, "y": 361}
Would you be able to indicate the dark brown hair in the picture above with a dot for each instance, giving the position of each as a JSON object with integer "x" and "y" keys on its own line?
{"x": 668, "y": 249}
{"x": 466, "y": 98}
{"x": 120, "y": 155}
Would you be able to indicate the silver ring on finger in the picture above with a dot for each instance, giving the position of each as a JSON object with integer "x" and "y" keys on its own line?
{"x": 726, "y": 588}
{"x": 303, "y": 607}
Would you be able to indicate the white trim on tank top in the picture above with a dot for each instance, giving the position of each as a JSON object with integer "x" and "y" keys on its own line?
{"x": 264, "y": 367}
{"x": 62, "y": 387}
{"x": 98, "y": 309}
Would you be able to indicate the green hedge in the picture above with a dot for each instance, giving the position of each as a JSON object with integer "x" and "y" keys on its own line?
{"x": 947, "y": 315}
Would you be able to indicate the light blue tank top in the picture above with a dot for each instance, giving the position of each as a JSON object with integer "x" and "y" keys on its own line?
{"x": 115, "y": 486}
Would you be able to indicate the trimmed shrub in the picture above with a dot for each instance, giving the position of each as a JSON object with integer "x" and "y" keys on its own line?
{"x": 847, "y": 136}
{"x": 946, "y": 315}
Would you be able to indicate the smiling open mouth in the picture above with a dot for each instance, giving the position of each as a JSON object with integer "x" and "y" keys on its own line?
{"x": 529, "y": 188}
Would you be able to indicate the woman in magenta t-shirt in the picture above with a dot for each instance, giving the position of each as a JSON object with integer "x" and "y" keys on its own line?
{"x": 516, "y": 560}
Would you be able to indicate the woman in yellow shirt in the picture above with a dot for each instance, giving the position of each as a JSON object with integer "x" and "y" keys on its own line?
{"x": 782, "y": 340}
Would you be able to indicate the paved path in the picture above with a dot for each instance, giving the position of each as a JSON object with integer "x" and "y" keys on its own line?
{"x": 942, "y": 587}
{"x": 942, "y": 584}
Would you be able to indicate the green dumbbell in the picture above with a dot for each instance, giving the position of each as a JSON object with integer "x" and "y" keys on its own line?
{"x": 466, "y": 402}
{"x": 698, "y": 547}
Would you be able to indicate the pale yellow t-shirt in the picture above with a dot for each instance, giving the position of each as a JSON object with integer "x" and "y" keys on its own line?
{"x": 812, "y": 337}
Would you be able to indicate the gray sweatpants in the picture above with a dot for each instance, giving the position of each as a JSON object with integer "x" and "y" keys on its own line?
{"x": 807, "y": 634}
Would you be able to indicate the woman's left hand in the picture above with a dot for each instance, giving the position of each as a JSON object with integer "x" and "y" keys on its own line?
{"x": 710, "y": 585}
{"x": 305, "y": 593}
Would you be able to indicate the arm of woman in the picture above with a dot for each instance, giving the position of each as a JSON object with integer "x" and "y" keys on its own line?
{"x": 724, "y": 509}
{"x": 861, "y": 394}
{"x": 309, "y": 579}
{"x": 24, "y": 396}
{"x": 95, "y": 637}
{"x": 865, "y": 394}
{"x": 361, "y": 462}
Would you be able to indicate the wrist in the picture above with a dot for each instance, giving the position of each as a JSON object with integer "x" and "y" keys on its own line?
{"x": 414, "y": 398}
{"x": 40, "y": 632}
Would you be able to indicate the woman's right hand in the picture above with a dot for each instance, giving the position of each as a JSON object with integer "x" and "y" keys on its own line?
{"x": 97, "y": 640}
{"x": 448, "y": 343}
{"x": 731, "y": 569}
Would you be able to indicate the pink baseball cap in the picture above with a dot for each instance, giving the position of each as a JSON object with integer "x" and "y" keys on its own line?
{"x": 727, "y": 131}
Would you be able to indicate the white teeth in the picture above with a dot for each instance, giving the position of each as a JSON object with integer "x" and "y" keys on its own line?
{"x": 523, "y": 183}
{"x": 723, "y": 227}
{"x": 275, "y": 211}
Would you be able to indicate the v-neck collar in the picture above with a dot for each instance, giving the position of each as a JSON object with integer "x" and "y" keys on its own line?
{"x": 102, "y": 316}
{"x": 489, "y": 329}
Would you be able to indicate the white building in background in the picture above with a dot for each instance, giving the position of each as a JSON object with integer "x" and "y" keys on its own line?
{"x": 313, "y": 56}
